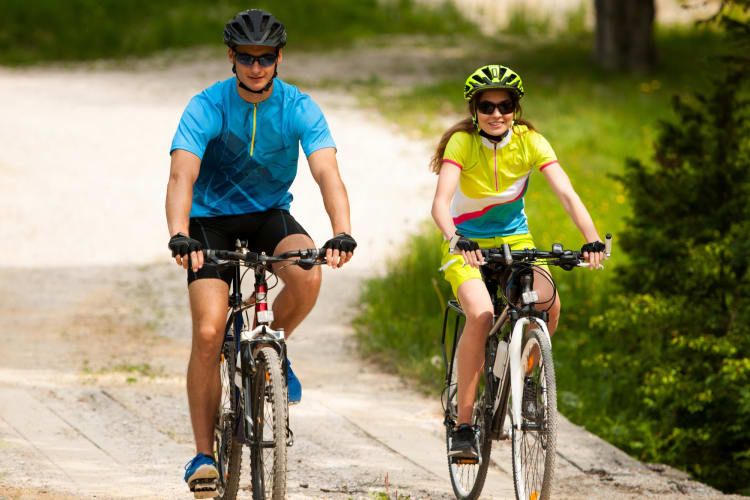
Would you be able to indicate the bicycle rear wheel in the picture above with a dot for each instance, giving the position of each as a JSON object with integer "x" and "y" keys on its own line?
{"x": 227, "y": 449}
{"x": 268, "y": 449}
{"x": 467, "y": 477}
{"x": 534, "y": 445}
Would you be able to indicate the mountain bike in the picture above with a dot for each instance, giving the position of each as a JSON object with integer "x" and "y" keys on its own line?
{"x": 516, "y": 398}
{"x": 253, "y": 410}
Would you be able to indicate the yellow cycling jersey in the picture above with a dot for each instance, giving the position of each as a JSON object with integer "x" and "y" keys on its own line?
{"x": 494, "y": 177}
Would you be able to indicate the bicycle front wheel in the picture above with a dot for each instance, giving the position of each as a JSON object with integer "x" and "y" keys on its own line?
{"x": 467, "y": 477}
{"x": 268, "y": 447}
{"x": 534, "y": 444}
{"x": 227, "y": 449}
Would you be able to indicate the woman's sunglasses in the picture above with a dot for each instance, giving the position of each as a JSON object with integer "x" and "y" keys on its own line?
{"x": 264, "y": 60}
{"x": 488, "y": 107}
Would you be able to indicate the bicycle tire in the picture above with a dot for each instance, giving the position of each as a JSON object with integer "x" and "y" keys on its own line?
{"x": 536, "y": 447}
{"x": 468, "y": 479}
{"x": 227, "y": 449}
{"x": 268, "y": 455}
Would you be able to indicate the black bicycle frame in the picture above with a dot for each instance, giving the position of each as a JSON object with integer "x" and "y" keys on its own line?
{"x": 245, "y": 433}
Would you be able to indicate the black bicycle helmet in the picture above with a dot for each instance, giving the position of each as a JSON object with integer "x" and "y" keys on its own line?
{"x": 255, "y": 27}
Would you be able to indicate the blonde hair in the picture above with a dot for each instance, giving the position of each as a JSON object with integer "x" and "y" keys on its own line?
{"x": 467, "y": 125}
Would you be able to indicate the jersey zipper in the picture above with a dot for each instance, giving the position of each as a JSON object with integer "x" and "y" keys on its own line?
{"x": 252, "y": 140}
{"x": 497, "y": 188}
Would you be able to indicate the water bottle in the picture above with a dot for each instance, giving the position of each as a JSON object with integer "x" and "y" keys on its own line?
{"x": 502, "y": 355}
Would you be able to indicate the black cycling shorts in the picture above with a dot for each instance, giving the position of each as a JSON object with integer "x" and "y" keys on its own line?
{"x": 262, "y": 230}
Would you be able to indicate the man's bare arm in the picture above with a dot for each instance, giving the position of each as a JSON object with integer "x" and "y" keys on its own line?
{"x": 325, "y": 171}
{"x": 182, "y": 175}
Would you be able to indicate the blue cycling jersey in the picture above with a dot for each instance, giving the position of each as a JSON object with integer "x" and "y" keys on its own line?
{"x": 248, "y": 151}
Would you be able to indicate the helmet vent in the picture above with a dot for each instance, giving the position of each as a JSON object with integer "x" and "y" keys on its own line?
{"x": 263, "y": 24}
{"x": 493, "y": 76}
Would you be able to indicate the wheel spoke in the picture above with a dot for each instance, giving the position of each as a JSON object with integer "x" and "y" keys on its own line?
{"x": 269, "y": 450}
{"x": 468, "y": 478}
{"x": 227, "y": 450}
{"x": 534, "y": 445}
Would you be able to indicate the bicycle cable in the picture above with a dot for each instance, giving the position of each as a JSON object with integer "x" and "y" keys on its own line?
{"x": 504, "y": 292}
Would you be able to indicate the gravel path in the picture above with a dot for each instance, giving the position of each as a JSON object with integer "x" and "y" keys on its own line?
{"x": 94, "y": 327}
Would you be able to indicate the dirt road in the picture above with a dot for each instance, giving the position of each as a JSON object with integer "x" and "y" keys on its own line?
{"x": 94, "y": 329}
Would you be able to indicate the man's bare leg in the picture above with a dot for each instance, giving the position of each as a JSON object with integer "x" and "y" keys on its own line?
{"x": 208, "y": 306}
{"x": 301, "y": 287}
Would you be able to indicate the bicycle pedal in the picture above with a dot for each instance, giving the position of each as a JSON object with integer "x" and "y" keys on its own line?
{"x": 205, "y": 493}
{"x": 203, "y": 488}
{"x": 465, "y": 461}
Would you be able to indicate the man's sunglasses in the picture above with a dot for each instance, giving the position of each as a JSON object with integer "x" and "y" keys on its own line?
{"x": 488, "y": 107}
{"x": 264, "y": 60}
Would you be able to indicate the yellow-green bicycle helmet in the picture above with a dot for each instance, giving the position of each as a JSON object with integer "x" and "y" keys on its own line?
{"x": 493, "y": 76}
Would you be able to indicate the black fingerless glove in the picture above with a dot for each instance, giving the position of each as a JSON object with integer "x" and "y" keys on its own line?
{"x": 594, "y": 246}
{"x": 182, "y": 244}
{"x": 342, "y": 242}
{"x": 460, "y": 242}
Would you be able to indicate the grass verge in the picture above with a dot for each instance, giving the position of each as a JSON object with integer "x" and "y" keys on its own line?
{"x": 77, "y": 30}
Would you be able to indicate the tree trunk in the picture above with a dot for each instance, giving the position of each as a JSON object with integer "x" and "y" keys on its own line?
{"x": 625, "y": 34}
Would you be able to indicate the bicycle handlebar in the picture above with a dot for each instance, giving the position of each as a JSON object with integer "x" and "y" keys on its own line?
{"x": 307, "y": 257}
{"x": 566, "y": 259}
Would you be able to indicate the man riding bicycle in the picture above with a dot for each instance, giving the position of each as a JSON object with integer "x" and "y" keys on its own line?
{"x": 234, "y": 157}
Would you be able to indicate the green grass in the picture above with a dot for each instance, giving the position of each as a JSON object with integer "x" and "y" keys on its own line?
{"x": 401, "y": 313}
{"x": 76, "y": 30}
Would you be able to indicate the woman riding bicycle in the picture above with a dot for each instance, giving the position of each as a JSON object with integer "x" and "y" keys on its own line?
{"x": 483, "y": 164}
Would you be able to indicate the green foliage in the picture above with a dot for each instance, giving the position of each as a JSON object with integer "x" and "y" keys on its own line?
{"x": 386, "y": 496}
{"x": 526, "y": 22}
{"x": 679, "y": 329}
{"x": 401, "y": 314}
{"x": 51, "y": 30}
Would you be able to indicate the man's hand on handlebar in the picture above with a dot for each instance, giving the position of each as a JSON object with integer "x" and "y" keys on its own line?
{"x": 593, "y": 253}
{"x": 186, "y": 251}
{"x": 339, "y": 250}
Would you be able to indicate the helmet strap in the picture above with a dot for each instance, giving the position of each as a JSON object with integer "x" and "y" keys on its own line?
{"x": 496, "y": 138}
{"x": 268, "y": 85}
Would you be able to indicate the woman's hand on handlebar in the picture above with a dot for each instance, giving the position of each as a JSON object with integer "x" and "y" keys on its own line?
{"x": 468, "y": 249}
{"x": 593, "y": 253}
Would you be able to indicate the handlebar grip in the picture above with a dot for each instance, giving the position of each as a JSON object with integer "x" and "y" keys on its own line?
{"x": 607, "y": 245}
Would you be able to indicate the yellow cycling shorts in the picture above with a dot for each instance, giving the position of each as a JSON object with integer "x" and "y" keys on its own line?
{"x": 456, "y": 273}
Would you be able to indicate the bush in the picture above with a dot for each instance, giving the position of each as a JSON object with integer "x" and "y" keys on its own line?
{"x": 679, "y": 329}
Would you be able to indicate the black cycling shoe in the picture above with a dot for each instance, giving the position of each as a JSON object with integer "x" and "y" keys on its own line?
{"x": 463, "y": 443}
{"x": 529, "y": 403}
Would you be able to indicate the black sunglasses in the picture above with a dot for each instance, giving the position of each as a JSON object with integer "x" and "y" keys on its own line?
{"x": 264, "y": 60}
{"x": 488, "y": 107}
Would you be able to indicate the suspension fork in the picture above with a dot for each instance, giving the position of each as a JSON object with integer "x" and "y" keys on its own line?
{"x": 249, "y": 365}
{"x": 516, "y": 370}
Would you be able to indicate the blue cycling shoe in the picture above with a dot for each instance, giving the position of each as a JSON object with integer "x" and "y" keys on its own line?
{"x": 201, "y": 475}
{"x": 294, "y": 388}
